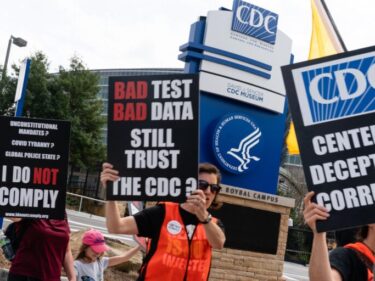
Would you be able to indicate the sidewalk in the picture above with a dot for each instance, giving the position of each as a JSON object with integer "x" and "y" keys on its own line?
{"x": 4, "y": 275}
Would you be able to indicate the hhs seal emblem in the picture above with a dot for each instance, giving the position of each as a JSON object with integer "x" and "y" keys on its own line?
{"x": 236, "y": 143}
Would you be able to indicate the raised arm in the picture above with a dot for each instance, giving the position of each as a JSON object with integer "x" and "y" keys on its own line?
{"x": 112, "y": 261}
{"x": 215, "y": 235}
{"x": 115, "y": 223}
{"x": 196, "y": 204}
{"x": 319, "y": 268}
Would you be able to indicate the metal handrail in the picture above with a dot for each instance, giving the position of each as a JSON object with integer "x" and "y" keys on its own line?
{"x": 84, "y": 197}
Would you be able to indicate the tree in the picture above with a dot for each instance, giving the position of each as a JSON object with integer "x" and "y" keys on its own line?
{"x": 44, "y": 96}
{"x": 68, "y": 95}
{"x": 82, "y": 87}
{"x": 7, "y": 92}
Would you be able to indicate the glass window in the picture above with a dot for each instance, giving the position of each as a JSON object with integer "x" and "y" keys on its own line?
{"x": 293, "y": 160}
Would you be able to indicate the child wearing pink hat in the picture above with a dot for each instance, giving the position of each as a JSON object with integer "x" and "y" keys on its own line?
{"x": 90, "y": 263}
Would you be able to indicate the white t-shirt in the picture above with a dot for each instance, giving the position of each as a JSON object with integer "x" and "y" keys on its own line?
{"x": 91, "y": 271}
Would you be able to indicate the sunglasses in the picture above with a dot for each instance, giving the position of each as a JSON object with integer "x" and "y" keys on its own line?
{"x": 204, "y": 185}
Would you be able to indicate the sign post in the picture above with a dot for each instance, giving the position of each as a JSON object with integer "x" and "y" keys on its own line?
{"x": 20, "y": 95}
{"x": 23, "y": 77}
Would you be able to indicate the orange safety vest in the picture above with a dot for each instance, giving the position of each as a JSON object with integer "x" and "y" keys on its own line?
{"x": 367, "y": 253}
{"x": 174, "y": 259}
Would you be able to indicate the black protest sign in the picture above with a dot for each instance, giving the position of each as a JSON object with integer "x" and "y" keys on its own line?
{"x": 153, "y": 136}
{"x": 33, "y": 167}
{"x": 333, "y": 108}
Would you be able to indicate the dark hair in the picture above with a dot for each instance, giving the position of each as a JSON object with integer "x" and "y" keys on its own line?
{"x": 82, "y": 252}
{"x": 212, "y": 169}
{"x": 362, "y": 233}
{"x": 346, "y": 236}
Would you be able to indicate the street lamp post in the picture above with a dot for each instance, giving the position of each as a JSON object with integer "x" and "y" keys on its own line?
{"x": 18, "y": 41}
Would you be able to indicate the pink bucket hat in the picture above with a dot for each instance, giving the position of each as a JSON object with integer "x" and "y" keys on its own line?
{"x": 95, "y": 240}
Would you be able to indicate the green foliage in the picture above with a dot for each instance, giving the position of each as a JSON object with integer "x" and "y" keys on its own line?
{"x": 7, "y": 91}
{"x": 44, "y": 99}
{"x": 72, "y": 202}
{"x": 82, "y": 87}
{"x": 68, "y": 95}
{"x": 299, "y": 244}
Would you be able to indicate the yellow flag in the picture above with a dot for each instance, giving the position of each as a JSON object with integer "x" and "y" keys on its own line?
{"x": 325, "y": 41}
{"x": 291, "y": 141}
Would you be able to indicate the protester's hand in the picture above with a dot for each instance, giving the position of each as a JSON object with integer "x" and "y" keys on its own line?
{"x": 313, "y": 212}
{"x": 197, "y": 200}
{"x": 108, "y": 174}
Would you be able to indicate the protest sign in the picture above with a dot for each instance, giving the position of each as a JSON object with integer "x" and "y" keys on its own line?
{"x": 333, "y": 108}
{"x": 33, "y": 167}
{"x": 153, "y": 136}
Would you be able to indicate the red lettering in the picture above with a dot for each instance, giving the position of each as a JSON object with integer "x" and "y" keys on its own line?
{"x": 130, "y": 111}
{"x": 142, "y": 89}
{"x": 118, "y": 112}
{"x": 193, "y": 265}
{"x": 119, "y": 90}
{"x": 181, "y": 263}
{"x": 141, "y": 111}
{"x": 130, "y": 90}
{"x": 201, "y": 265}
{"x": 169, "y": 260}
{"x": 174, "y": 262}
{"x": 45, "y": 176}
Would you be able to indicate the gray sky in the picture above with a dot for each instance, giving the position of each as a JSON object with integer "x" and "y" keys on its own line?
{"x": 148, "y": 33}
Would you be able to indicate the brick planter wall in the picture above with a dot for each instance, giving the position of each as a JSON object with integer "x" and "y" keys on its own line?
{"x": 231, "y": 264}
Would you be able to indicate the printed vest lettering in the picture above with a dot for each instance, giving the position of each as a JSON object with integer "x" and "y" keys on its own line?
{"x": 173, "y": 258}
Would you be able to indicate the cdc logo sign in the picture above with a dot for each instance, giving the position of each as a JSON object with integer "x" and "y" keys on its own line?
{"x": 336, "y": 89}
{"x": 254, "y": 21}
{"x": 237, "y": 143}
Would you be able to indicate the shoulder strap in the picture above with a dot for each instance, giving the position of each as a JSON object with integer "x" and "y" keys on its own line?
{"x": 365, "y": 255}
{"x": 364, "y": 259}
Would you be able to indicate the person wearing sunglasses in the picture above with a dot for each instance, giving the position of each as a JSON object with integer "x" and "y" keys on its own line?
{"x": 182, "y": 236}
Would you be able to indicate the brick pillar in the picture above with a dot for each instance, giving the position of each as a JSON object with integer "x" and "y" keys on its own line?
{"x": 234, "y": 264}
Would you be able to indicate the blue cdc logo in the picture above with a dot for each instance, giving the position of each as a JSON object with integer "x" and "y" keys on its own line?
{"x": 236, "y": 143}
{"x": 254, "y": 21}
{"x": 338, "y": 90}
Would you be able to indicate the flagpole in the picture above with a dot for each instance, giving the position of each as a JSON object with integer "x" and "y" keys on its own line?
{"x": 334, "y": 26}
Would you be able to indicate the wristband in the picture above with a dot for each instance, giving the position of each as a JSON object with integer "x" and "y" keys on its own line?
{"x": 207, "y": 220}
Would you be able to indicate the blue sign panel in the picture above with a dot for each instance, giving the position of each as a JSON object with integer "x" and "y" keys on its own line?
{"x": 338, "y": 90}
{"x": 254, "y": 21}
{"x": 237, "y": 153}
{"x": 244, "y": 141}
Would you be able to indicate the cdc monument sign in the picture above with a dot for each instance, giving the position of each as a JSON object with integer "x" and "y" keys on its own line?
{"x": 239, "y": 55}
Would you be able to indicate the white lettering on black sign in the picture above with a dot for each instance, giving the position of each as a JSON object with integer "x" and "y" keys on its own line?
{"x": 333, "y": 111}
{"x": 33, "y": 157}
{"x": 156, "y": 151}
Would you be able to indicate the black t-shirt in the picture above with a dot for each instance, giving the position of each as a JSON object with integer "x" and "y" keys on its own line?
{"x": 348, "y": 264}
